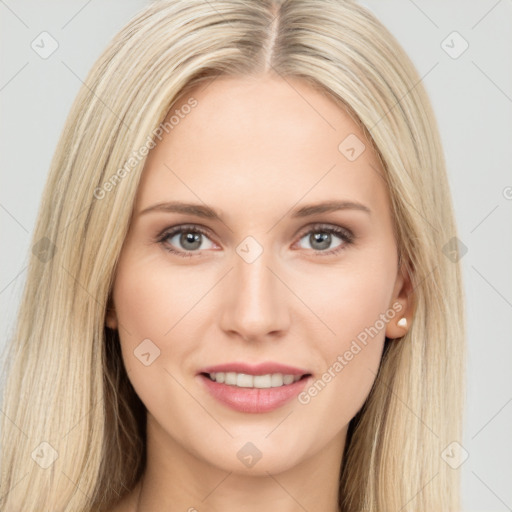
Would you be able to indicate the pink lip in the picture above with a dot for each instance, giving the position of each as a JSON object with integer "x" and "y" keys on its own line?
{"x": 255, "y": 369}
{"x": 254, "y": 400}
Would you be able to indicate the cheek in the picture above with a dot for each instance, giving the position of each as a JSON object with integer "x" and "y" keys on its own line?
{"x": 164, "y": 305}
{"x": 151, "y": 300}
{"x": 353, "y": 301}
{"x": 356, "y": 308}
{"x": 151, "y": 305}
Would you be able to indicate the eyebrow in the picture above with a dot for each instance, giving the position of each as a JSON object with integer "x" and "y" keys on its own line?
{"x": 207, "y": 212}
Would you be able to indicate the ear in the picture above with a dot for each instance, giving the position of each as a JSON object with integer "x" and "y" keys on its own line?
{"x": 111, "y": 316}
{"x": 403, "y": 303}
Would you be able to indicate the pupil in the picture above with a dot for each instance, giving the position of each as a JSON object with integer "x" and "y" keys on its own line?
{"x": 191, "y": 238}
{"x": 324, "y": 240}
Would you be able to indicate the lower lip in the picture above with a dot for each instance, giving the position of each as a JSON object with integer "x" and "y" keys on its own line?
{"x": 253, "y": 400}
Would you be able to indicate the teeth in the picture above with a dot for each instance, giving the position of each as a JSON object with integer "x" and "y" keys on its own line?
{"x": 243, "y": 380}
{"x": 230, "y": 378}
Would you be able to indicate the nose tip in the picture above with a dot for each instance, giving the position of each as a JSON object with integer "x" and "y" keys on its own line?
{"x": 254, "y": 305}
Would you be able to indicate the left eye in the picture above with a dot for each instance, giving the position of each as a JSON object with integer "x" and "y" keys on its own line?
{"x": 321, "y": 239}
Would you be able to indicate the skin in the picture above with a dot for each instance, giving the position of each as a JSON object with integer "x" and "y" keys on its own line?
{"x": 254, "y": 149}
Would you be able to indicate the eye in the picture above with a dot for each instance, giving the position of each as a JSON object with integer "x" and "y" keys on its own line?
{"x": 322, "y": 237}
{"x": 187, "y": 239}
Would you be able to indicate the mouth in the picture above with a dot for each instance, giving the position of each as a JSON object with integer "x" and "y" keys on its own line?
{"x": 254, "y": 388}
{"x": 244, "y": 380}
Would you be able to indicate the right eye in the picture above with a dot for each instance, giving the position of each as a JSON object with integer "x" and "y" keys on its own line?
{"x": 184, "y": 240}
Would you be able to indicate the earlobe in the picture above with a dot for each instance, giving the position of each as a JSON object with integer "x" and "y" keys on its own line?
{"x": 397, "y": 327}
{"x": 400, "y": 324}
{"x": 111, "y": 316}
{"x": 111, "y": 319}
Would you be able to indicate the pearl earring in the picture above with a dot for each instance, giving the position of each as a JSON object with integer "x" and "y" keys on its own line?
{"x": 402, "y": 322}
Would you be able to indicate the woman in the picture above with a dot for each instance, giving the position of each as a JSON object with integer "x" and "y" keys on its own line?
{"x": 238, "y": 296}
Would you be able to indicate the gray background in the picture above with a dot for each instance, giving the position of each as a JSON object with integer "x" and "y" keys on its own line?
{"x": 472, "y": 98}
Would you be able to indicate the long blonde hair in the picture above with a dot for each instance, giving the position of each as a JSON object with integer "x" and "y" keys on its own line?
{"x": 73, "y": 429}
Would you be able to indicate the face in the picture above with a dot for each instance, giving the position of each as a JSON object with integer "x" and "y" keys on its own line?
{"x": 285, "y": 269}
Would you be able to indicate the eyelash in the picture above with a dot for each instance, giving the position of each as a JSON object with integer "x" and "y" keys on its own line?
{"x": 346, "y": 236}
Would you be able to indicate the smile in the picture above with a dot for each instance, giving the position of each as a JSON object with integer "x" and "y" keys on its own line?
{"x": 244, "y": 380}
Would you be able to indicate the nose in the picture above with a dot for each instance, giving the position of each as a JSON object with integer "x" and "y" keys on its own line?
{"x": 255, "y": 306}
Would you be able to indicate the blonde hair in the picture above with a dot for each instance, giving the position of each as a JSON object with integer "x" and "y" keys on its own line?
{"x": 66, "y": 382}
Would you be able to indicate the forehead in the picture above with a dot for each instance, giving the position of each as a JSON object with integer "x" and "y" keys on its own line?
{"x": 249, "y": 139}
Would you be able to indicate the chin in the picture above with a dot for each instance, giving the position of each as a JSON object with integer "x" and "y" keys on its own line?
{"x": 254, "y": 458}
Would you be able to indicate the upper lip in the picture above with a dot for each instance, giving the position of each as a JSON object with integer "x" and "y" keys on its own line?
{"x": 255, "y": 369}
